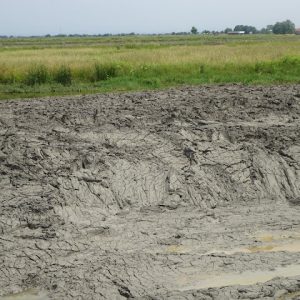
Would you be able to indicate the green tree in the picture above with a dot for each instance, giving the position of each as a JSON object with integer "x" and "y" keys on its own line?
{"x": 227, "y": 30}
{"x": 267, "y": 30}
{"x": 194, "y": 30}
{"x": 286, "y": 27}
{"x": 246, "y": 28}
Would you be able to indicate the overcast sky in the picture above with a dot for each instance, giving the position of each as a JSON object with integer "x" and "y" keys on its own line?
{"x": 39, "y": 17}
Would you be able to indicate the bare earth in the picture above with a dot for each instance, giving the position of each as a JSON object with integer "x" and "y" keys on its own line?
{"x": 190, "y": 193}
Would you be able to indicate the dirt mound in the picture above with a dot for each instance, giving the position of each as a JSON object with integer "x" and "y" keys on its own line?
{"x": 141, "y": 194}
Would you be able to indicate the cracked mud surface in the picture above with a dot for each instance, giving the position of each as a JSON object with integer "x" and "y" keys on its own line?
{"x": 190, "y": 193}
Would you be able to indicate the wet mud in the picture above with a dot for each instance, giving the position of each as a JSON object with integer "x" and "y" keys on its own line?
{"x": 189, "y": 193}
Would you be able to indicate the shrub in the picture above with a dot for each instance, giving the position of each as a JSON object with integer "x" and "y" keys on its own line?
{"x": 104, "y": 72}
{"x": 63, "y": 75}
{"x": 37, "y": 75}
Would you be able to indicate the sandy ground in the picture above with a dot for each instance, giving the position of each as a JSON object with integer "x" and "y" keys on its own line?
{"x": 190, "y": 193}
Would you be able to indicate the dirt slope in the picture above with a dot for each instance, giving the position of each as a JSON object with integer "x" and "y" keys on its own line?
{"x": 152, "y": 195}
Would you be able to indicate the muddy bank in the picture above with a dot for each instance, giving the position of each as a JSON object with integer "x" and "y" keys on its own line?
{"x": 152, "y": 195}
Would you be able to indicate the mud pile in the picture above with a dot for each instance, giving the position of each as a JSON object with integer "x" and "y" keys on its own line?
{"x": 152, "y": 195}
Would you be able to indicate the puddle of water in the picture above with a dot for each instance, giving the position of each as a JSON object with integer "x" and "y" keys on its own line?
{"x": 276, "y": 236}
{"x": 288, "y": 247}
{"x": 266, "y": 238}
{"x": 276, "y": 241}
{"x": 270, "y": 236}
{"x": 177, "y": 249}
{"x": 203, "y": 281}
{"x": 292, "y": 247}
{"x": 31, "y": 294}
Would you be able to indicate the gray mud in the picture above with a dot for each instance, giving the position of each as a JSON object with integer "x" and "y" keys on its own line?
{"x": 190, "y": 193}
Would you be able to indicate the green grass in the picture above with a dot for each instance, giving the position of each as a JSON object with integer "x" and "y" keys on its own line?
{"x": 53, "y": 66}
{"x": 137, "y": 41}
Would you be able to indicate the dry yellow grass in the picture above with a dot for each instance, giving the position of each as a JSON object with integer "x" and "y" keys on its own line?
{"x": 77, "y": 58}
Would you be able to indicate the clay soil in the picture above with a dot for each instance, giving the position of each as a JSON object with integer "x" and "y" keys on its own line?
{"x": 189, "y": 193}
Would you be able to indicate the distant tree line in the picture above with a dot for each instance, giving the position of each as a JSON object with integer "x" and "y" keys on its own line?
{"x": 285, "y": 27}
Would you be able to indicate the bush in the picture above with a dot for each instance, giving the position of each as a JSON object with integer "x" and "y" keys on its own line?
{"x": 37, "y": 75}
{"x": 63, "y": 75}
{"x": 104, "y": 72}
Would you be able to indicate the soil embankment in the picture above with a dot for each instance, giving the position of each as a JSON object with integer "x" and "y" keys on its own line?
{"x": 190, "y": 193}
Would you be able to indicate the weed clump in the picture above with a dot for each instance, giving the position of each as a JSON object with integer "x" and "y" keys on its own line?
{"x": 202, "y": 69}
{"x": 36, "y": 75}
{"x": 265, "y": 67}
{"x": 63, "y": 75}
{"x": 104, "y": 72}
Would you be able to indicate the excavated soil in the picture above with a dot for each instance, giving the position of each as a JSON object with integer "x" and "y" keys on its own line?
{"x": 190, "y": 193}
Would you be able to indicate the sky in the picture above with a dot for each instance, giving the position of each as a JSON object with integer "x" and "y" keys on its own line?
{"x": 40, "y": 17}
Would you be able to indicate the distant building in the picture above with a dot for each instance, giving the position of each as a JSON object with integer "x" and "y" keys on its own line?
{"x": 236, "y": 32}
{"x": 297, "y": 31}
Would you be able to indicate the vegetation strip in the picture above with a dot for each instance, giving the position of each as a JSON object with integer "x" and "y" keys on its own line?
{"x": 134, "y": 63}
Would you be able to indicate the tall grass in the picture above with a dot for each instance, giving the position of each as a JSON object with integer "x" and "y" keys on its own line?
{"x": 126, "y": 67}
{"x": 184, "y": 72}
{"x": 37, "y": 75}
{"x": 104, "y": 71}
{"x": 63, "y": 75}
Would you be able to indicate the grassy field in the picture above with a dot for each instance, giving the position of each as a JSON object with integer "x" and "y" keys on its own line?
{"x": 70, "y": 65}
